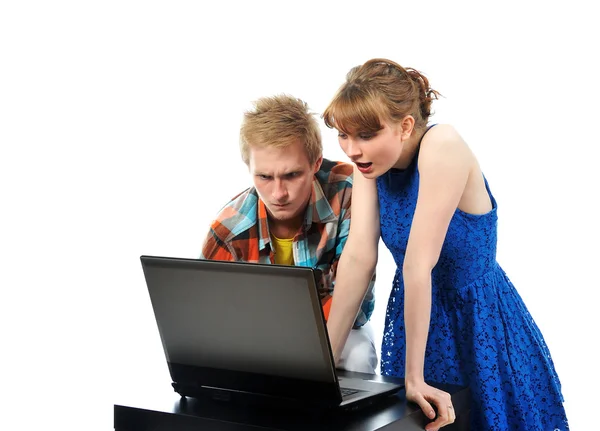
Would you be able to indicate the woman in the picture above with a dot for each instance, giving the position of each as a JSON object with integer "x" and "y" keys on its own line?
{"x": 453, "y": 316}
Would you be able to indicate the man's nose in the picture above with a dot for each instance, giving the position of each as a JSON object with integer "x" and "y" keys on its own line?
{"x": 279, "y": 190}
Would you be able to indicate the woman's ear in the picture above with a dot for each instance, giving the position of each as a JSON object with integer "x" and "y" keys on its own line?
{"x": 407, "y": 126}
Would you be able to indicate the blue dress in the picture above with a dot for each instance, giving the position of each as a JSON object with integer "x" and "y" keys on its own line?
{"x": 481, "y": 333}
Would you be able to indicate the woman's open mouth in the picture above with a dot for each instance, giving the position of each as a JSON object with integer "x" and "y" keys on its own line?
{"x": 364, "y": 167}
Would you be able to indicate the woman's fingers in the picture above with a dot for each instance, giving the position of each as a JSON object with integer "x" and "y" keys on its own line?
{"x": 445, "y": 409}
{"x": 424, "y": 405}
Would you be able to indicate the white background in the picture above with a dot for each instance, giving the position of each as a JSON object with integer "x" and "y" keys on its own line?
{"x": 119, "y": 128}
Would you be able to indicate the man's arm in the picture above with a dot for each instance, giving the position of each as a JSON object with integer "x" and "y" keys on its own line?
{"x": 214, "y": 248}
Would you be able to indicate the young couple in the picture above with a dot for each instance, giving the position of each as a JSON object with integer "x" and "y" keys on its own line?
{"x": 453, "y": 315}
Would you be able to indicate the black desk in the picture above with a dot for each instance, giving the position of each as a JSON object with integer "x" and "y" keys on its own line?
{"x": 170, "y": 412}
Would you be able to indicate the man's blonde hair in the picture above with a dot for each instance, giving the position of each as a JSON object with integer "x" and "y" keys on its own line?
{"x": 280, "y": 121}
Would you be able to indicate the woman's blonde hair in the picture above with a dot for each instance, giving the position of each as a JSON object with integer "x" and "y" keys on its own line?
{"x": 380, "y": 90}
{"x": 280, "y": 121}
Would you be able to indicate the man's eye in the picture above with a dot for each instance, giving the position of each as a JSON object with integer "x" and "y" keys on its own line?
{"x": 264, "y": 177}
{"x": 292, "y": 175}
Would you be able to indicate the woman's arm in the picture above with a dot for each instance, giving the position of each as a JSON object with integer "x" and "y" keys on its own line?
{"x": 444, "y": 165}
{"x": 357, "y": 263}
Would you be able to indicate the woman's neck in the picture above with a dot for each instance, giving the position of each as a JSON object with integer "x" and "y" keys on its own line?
{"x": 409, "y": 150}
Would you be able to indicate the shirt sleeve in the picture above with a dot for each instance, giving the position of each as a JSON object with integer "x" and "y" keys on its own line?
{"x": 214, "y": 248}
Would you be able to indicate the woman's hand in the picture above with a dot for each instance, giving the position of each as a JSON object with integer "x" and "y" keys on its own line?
{"x": 424, "y": 395}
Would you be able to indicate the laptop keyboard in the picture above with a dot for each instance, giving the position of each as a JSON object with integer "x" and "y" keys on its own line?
{"x": 347, "y": 392}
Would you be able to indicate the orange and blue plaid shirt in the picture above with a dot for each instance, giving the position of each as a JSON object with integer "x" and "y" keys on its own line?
{"x": 240, "y": 232}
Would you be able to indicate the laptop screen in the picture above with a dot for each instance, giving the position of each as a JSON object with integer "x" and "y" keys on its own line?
{"x": 263, "y": 319}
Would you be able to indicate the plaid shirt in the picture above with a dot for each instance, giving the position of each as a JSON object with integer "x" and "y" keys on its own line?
{"x": 241, "y": 232}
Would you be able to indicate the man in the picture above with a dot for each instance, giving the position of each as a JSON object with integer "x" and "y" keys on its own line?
{"x": 297, "y": 213}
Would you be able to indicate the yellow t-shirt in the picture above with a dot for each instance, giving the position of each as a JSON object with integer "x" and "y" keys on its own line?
{"x": 283, "y": 250}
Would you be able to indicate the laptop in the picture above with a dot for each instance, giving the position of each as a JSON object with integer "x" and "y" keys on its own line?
{"x": 240, "y": 331}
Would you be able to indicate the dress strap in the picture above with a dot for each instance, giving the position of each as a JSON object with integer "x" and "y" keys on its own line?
{"x": 426, "y": 130}
{"x": 419, "y": 143}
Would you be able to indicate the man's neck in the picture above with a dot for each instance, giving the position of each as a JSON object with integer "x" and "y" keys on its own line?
{"x": 285, "y": 229}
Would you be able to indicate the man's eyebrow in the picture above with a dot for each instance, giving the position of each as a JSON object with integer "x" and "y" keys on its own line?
{"x": 297, "y": 169}
{"x": 288, "y": 172}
